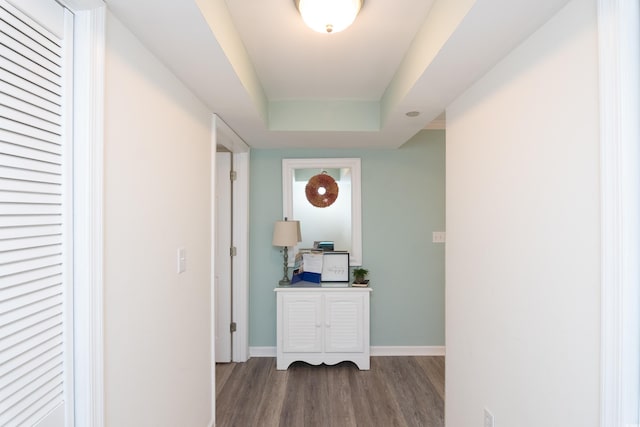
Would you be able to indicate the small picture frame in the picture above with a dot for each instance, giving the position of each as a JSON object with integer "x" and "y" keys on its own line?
{"x": 335, "y": 267}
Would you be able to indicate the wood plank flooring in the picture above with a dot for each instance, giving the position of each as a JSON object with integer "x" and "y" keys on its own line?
{"x": 397, "y": 391}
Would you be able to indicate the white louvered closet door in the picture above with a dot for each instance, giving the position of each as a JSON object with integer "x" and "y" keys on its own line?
{"x": 35, "y": 216}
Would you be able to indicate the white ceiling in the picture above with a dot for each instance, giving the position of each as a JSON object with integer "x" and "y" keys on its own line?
{"x": 279, "y": 84}
{"x": 294, "y": 62}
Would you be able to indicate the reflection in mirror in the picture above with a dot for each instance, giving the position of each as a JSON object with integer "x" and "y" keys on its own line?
{"x": 337, "y": 221}
{"x": 330, "y": 223}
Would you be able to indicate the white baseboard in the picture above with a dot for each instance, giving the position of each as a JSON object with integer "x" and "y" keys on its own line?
{"x": 375, "y": 351}
{"x": 408, "y": 350}
{"x": 262, "y": 352}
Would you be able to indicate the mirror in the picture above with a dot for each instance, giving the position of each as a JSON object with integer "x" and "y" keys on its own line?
{"x": 339, "y": 221}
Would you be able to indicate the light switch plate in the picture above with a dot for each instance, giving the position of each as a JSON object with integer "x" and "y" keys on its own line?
{"x": 439, "y": 236}
{"x": 182, "y": 260}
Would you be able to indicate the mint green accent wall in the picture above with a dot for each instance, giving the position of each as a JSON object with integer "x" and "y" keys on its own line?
{"x": 341, "y": 115}
{"x": 403, "y": 196}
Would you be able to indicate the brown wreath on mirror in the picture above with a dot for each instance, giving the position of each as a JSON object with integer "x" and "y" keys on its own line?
{"x": 321, "y": 190}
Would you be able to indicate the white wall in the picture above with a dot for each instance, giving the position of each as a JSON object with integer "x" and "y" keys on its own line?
{"x": 522, "y": 254}
{"x": 157, "y": 198}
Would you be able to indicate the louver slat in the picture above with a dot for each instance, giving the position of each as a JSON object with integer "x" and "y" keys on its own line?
{"x": 32, "y": 172}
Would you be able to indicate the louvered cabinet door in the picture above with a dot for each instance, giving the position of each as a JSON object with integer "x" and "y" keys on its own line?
{"x": 344, "y": 323}
{"x": 302, "y": 323}
{"x": 35, "y": 219}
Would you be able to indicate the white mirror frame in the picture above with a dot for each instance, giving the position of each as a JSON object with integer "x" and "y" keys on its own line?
{"x": 289, "y": 165}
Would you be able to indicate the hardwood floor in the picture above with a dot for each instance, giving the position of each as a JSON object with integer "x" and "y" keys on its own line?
{"x": 397, "y": 391}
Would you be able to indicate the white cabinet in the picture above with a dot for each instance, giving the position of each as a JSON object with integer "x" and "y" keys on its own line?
{"x": 322, "y": 325}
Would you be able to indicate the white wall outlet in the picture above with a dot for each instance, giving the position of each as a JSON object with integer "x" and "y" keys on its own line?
{"x": 439, "y": 236}
{"x": 182, "y": 260}
{"x": 488, "y": 418}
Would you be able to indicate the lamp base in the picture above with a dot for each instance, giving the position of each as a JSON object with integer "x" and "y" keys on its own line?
{"x": 285, "y": 278}
{"x": 284, "y": 282}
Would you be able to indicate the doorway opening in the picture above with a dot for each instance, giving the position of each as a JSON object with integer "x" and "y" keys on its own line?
{"x": 230, "y": 244}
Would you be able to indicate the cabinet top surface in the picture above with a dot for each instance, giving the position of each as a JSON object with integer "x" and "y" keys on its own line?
{"x": 321, "y": 288}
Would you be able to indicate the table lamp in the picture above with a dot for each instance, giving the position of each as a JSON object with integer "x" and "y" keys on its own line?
{"x": 286, "y": 233}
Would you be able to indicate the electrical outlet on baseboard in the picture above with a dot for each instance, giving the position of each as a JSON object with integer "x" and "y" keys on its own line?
{"x": 488, "y": 418}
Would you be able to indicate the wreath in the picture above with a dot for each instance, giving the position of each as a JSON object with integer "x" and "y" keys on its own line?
{"x": 321, "y": 190}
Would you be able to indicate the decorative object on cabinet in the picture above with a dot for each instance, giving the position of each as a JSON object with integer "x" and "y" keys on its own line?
{"x": 286, "y": 233}
{"x": 335, "y": 267}
{"x": 323, "y": 325}
{"x": 360, "y": 276}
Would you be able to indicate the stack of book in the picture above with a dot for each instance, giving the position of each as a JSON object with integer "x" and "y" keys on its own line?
{"x": 360, "y": 285}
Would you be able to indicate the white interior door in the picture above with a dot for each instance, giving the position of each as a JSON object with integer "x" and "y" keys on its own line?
{"x": 36, "y": 324}
{"x": 223, "y": 269}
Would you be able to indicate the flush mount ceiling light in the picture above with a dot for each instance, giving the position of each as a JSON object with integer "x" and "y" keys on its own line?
{"x": 328, "y": 16}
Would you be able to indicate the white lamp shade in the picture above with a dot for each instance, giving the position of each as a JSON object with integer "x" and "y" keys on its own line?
{"x": 329, "y": 16}
{"x": 286, "y": 233}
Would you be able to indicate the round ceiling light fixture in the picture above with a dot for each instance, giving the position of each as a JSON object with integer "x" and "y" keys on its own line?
{"x": 328, "y": 16}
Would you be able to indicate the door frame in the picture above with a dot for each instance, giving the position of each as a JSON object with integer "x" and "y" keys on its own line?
{"x": 619, "y": 62}
{"x": 88, "y": 241}
{"x": 223, "y": 135}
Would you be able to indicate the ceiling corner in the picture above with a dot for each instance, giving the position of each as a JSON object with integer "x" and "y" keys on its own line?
{"x": 442, "y": 21}
{"x": 218, "y": 18}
